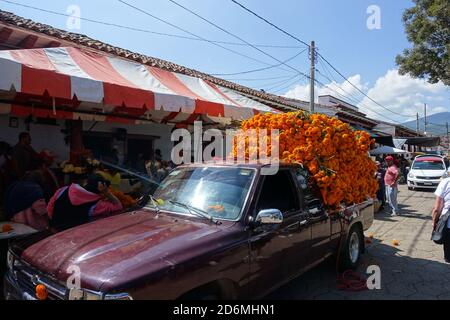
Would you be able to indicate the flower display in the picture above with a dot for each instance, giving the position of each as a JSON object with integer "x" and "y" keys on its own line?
{"x": 6, "y": 228}
{"x": 126, "y": 200}
{"x": 335, "y": 155}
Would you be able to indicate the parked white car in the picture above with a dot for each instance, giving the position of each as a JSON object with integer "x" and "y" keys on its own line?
{"x": 427, "y": 171}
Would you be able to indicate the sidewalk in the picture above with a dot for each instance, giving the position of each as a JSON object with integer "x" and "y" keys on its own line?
{"x": 412, "y": 270}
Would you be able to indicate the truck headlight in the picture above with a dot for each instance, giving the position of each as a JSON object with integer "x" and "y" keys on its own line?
{"x": 10, "y": 260}
{"x": 445, "y": 175}
{"x": 410, "y": 175}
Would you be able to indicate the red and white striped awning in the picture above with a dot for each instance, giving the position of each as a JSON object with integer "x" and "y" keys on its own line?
{"x": 70, "y": 83}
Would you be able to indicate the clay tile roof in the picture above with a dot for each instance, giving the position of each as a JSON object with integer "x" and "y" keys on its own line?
{"x": 11, "y": 19}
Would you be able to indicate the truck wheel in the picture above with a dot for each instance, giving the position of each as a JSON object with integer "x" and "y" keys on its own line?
{"x": 351, "y": 252}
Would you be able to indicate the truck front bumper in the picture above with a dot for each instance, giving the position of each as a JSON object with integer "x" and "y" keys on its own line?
{"x": 425, "y": 184}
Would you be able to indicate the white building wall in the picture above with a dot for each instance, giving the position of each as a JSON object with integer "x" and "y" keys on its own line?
{"x": 43, "y": 136}
{"x": 154, "y": 129}
{"x": 50, "y": 137}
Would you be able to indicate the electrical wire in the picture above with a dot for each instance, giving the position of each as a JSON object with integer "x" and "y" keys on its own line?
{"x": 285, "y": 87}
{"x": 266, "y": 85}
{"x": 110, "y": 24}
{"x": 259, "y": 69}
{"x": 257, "y": 79}
{"x": 436, "y": 124}
{"x": 276, "y": 85}
{"x": 193, "y": 34}
{"x": 270, "y": 23}
{"x": 237, "y": 37}
{"x": 344, "y": 97}
{"x": 347, "y": 95}
{"x": 362, "y": 92}
{"x": 319, "y": 55}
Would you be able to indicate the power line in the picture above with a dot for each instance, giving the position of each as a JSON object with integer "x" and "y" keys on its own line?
{"x": 352, "y": 97}
{"x": 110, "y": 24}
{"x": 436, "y": 124}
{"x": 237, "y": 37}
{"x": 193, "y": 34}
{"x": 270, "y": 23}
{"x": 348, "y": 96}
{"x": 285, "y": 87}
{"x": 276, "y": 85}
{"x": 259, "y": 69}
{"x": 344, "y": 97}
{"x": 362, "y": 92}
{"x": 257, "y": 79}
{"x": 303, "y": 42}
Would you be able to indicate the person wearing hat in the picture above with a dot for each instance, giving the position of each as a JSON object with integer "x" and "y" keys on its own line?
{"x": 391, "y": 181}
{"x": 76, "y": 204}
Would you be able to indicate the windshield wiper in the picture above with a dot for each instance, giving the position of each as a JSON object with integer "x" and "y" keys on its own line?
{"x": 195, "y": 211}
{"x": 155, "y": 203}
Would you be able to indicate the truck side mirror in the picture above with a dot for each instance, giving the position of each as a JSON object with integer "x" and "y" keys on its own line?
{"x": 269, "y": 216}
{"x": 408, "y": 168}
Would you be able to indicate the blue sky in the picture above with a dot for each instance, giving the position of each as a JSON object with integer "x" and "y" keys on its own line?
{"x": 338, "y": 27}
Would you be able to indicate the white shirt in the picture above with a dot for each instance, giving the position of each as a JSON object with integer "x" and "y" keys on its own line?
{"x": 443, "y": 191}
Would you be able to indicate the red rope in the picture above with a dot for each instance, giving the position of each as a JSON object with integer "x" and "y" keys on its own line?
{"x": 351, "y": 281}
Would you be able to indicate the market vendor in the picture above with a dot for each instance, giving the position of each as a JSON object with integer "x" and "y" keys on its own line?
{"x": 76, "y": 204}
{"x": 23, "y": 155}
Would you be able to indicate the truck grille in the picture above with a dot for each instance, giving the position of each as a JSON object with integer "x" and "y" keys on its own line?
{"x": 429, "y": 178}
{"x": 27, "y": 279}
{"x": 421, "y": 184}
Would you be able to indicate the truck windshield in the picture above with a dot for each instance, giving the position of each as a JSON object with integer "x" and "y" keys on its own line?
{"x": 221, "y": 192}
{"x": 429, "y": 165}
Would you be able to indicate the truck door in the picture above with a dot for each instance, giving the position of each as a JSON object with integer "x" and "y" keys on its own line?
{"x": 318, "y": 218}
{"x": 278, "y": 251}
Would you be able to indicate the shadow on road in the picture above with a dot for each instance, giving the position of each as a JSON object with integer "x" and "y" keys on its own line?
{"x": 402, "y": 277}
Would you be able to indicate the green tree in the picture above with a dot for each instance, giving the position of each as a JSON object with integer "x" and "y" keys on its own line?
{"x": 428, "y": 29}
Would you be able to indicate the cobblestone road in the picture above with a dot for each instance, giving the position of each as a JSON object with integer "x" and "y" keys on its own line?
{"x": 412, "y": 270}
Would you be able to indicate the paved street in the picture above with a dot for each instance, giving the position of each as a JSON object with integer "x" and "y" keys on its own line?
{"x": 412, "y": 270}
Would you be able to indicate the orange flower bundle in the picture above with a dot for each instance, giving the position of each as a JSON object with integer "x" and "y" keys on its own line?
{"x": 335, "y": 155}
{"x": 126, "y": 200}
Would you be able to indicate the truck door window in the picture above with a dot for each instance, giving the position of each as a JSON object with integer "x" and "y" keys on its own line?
{"x": 278, "y": 192}
{"x": 310, "y": 191}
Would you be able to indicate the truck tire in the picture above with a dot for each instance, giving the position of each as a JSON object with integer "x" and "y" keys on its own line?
{"x": 351, "y": 251}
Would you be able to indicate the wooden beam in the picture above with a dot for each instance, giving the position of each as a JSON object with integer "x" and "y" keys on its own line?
{"x": 28, "y": 42}
{"x": 5, "y": 33}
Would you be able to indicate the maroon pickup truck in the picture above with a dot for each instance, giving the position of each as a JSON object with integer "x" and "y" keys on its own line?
{"x": 209, "y": 231}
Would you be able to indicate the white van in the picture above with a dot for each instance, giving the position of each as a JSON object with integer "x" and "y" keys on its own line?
{"x": 427, "y": 171}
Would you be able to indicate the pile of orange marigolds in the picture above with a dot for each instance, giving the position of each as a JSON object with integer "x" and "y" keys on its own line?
{"x": 336, "y": 156}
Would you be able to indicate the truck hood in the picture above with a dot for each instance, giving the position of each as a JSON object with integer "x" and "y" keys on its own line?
{"x": 113, "y": 252}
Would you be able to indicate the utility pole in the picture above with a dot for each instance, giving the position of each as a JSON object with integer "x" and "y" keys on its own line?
{"x": 312, "y": 76}
{"x": 417, "y": 124}
{"x": 426, "y": 123}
